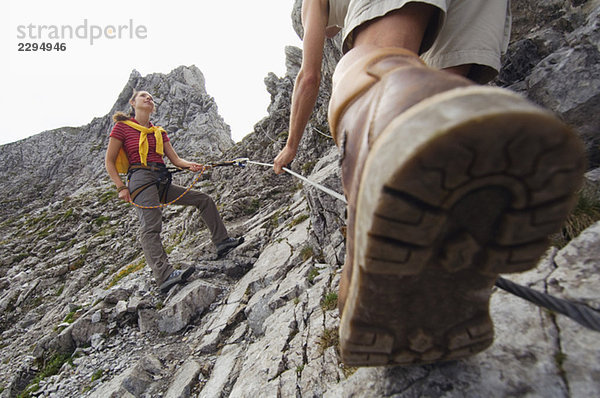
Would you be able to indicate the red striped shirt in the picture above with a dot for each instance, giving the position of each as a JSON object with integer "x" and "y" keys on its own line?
{"x": 130, "y": 138}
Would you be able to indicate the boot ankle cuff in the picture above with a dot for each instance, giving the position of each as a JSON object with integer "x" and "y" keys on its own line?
{"x": 356, "y": 72}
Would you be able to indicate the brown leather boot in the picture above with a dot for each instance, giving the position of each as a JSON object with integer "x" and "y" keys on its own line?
{"x": 448, "y": 185}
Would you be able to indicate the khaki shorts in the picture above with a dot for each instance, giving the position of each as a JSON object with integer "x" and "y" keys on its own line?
{"x": 466, "y": 31}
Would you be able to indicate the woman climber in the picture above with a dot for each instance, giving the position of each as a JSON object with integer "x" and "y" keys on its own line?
{"x": 136, "y": 142}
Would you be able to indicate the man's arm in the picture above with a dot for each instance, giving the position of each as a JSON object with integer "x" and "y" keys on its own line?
{"x": 306, "y": 87}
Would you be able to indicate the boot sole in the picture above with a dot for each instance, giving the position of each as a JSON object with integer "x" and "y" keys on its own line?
{"x": 459, "y": 188}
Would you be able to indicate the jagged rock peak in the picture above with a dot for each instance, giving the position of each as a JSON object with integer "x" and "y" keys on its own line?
{"x": 186, "y": 75}
{"x": 293, "y": 60}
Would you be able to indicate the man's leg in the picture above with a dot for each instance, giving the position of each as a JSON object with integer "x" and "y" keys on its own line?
{"x": 479, "y": 41}
{"x": 403, "y": 28}
{"x": 460, "y": 70}
{"x": 445, "y": 190}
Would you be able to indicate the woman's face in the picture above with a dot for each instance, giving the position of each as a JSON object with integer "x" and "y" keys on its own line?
{"x": 143, "y": 100}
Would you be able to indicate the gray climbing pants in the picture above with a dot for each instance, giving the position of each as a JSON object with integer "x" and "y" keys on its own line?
{"x": 151, "y": 219}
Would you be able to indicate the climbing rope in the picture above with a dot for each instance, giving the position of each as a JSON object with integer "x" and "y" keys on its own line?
{"x": 580, "y": 313}
{"x": 322, "y": 133}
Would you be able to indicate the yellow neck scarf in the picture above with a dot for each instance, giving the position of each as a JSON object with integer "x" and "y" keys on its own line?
{"x": 143, "y": 145}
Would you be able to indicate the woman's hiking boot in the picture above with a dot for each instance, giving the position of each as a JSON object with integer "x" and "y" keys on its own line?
{"x": 227, "y": 245}
{"x": 448, "y": 184}
{"x": 176, "y": 277}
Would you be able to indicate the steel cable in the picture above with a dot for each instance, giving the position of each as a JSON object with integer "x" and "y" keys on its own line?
{"x": 580, "y": 313}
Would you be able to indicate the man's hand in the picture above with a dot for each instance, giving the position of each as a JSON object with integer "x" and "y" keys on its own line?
{"x": 284, "y": 158}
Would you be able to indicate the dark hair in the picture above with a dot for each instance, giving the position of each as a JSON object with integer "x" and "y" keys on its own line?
{"x": 120, "y": 116}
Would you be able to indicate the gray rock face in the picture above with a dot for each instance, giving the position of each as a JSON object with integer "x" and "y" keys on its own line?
{"x": 194, "y": 298}
{"x": 75, "y": 292}
{"x": 554, "y": 60}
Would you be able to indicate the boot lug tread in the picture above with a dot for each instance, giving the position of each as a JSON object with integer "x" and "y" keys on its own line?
{"x": 422, "y": 271}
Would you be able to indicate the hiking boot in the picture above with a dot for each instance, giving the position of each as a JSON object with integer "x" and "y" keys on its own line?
{"x": 177, "y": 276}
{"x": 448, "y": 185}
{"x": 228, "y": 244}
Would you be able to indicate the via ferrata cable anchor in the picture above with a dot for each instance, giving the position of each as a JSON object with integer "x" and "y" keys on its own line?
{"x": 240, "y": 162}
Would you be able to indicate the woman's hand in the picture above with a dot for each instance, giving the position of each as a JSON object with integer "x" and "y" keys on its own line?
{"x": 194, "y": 167}
{"x": 124, "y": 195}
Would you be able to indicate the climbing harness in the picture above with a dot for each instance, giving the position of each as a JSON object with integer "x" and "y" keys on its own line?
{"x": 162, "y": 182}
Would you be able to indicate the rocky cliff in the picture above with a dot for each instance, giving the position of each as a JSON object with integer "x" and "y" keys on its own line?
{"x": 80, "y": 314}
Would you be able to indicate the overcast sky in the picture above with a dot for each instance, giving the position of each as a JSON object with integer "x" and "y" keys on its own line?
{"x": 234, "y": 43}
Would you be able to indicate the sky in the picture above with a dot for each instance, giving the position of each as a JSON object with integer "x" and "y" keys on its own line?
{"x": 95, "y": 45}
